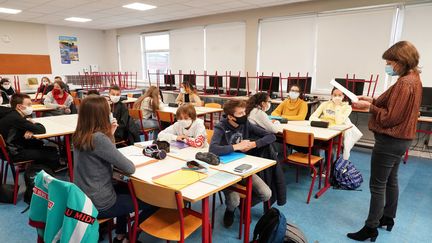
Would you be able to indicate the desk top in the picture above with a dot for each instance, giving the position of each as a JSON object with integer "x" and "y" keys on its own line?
{"x": 129, "y": 100}
{"x": 194, "y": 192}
{"x": 57, "y": 125}
{"x": 425, "y": 119}
{"x": 323, "y": 134}
{"x": 199, "y": 110}
{"x": 37, "y": 108}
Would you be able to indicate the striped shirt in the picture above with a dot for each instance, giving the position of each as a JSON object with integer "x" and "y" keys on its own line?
{"x": 396, "y": 111}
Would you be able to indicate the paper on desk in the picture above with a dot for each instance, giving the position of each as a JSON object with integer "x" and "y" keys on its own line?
{"x": 179, "y": 179}
{"x": 219, "y": 179}
{"x": 348, "y": 93}
{"x": 135, "y": 155}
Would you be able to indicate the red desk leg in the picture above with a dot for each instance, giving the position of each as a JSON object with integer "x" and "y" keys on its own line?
{"x": 327, "y": 183}
{"x": 69, "y": 156}
{"x": 248, "y": 209}
{"x": 205, "y": 221}
{"x": 211, "y": 121}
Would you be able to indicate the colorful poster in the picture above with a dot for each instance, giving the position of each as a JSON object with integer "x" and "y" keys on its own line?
{"x": 68, "y": 49}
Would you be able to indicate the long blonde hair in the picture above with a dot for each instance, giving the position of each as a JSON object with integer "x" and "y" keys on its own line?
{"x": 93, "y": 117}
{"x": 153, "y": 93}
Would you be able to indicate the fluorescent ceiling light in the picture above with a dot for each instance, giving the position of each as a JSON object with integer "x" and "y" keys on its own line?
{"x": 77, "y": 19}
{"x": 139, "y": 6}
{"x": 10, "y": 10}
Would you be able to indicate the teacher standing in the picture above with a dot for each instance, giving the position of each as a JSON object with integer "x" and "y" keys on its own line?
{"x": 393, "y": 121}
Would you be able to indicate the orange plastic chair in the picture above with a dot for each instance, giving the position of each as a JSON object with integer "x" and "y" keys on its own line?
{"x": 164, "y": 116}
{"x": 308, "y": 160}
{"x": 136, "y": 114}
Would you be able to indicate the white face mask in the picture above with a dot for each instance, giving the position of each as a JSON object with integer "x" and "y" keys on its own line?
{"x": 337, "y": 99}
{"x": 293, "y": 95}
{"x": 185, "y": 123}
{"x": 6, "y": 86}
{"x": 27, "y": 111}
{"x": 182, "y": 90}
{"x": 114, "y": 99}
{"x": 45, "y": 82}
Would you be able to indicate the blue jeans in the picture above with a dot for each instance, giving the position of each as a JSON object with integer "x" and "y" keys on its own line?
{"x": 149, "y": 123}
{"x": 123, "y": 207}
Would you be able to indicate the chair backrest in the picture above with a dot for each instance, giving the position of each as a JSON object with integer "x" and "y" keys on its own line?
{"x": 130, "y": 95}
{"x": 213, "y": 105}
{"x": 209, "y": 135}
{"x": 136, "y": 114}
{"x": 73, "y": 94}
{"x": 156, "y": 195}
{"x": 165, "y": 116}
{"x": 300, "y": 139}
{"x": 77, "y": 101}
{"x": 5, "y": 154}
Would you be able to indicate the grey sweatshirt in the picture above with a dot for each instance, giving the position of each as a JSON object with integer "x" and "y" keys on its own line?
{"x": 93, "y": 171}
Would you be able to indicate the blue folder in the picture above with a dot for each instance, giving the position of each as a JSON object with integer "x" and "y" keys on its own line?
{"x": 224, "y": 159}
{"x": 275, "y": 117}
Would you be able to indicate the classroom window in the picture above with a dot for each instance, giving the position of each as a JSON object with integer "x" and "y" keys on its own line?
{"x": 156, "y": 53}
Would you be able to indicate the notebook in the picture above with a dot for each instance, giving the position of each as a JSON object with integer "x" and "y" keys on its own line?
{"x": 179, "y": 145}
{"x": 224, "y": 159}
{"x": 179, "y": 179}
{"x": 134, "y": 154}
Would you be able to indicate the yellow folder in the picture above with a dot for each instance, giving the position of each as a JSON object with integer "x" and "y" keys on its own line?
{"x": 179, "y": 179}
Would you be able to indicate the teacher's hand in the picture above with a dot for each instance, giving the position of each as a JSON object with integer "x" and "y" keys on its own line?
{"x": 362, "y": 104}
{"x": 366, "y": 98}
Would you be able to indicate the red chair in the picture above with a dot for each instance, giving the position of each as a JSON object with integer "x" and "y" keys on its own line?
{"x": 16, "y": 167}
{"x": 164, "y": 116}
{"x": 308, "y": 160}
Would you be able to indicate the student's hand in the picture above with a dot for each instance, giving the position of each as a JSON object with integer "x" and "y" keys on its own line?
{"x": 28, "y": 135}
{"x": 181, "y": 137}
{"x": 366, "y": 98}
{"x": 114, "y": 126}
{"x": 250, "y": 145}
{"x": 62, "y": 107}
{"x": 67, "y": 111}
{"x": 243, "y": 145}
{"x": 362, "y": 104}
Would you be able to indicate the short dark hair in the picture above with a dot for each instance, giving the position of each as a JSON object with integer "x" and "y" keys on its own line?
{"x": 230, "y": 106}
{"x": 188, "y": 110}
{"x": 58, "y": 77}
{"x": 93, "y": 92}
{"x": 18, "y": 99}
{"x": 256, "y": 100}
{"x": 4, "y": 80}
{"x": 115, "y": 87}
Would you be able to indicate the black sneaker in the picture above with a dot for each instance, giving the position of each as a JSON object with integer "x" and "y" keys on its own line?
{"x": 228, "y": 218}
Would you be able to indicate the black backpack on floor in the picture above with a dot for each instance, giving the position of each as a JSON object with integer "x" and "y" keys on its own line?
{"x": 29, "y": 175}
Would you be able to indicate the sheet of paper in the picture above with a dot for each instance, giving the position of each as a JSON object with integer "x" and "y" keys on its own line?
{"x": 179, "y": 179}
{"x": 348, "y": 93}
{"x": 135, "y": 155}
{"x": 219, "y": 179}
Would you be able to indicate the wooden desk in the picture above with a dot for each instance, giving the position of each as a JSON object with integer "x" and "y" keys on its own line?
{"x": 198, "y": 191}
{"x": 130, "y": 100}
{"x": 56, "y": 126}
{"x": 258, "y": 164}
{"x": 39, "y": 109}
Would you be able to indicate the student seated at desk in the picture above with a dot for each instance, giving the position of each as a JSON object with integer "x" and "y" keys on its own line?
{"x": 59, "y": 99}
{"x": 149, "y": 103}
{"x": 188, "y": 128}
{"x": 46, "y": 86}
{"x": 95, "y": 155}
{"x": 334, "y": 111}
{"x": 127, "y": 130}
{"x": 18, "y": 130}
{"x": 6, "y": 90}
{"x": 188, "y": 94}
{"x": 292, "y": 108}
{"x": 235, "y": 133}
{"x": 257, "y": 106}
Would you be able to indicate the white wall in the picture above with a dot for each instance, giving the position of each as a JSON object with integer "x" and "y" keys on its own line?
{"x": 25, "y": 38}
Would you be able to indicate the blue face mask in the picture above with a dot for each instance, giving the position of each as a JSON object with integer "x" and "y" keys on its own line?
{"x": 390, "y": 71}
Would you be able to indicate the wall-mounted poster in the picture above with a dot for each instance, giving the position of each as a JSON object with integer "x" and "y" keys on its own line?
{"x": 68, "y": 49}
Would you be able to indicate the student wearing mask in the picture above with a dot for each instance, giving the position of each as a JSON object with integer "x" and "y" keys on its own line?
{"x": 235, "y": 133}
{"x": 127, "y": 129}
{"x": 58, "y": 78}
{"x": 188, "y": 95}
{"x": 59, "y": 99}
{"x": 18, "y": 130}
{"x": 394, "y": 116}
{"x": 188, "y": 128}
{"x": 256, "y": 109}
{"x": 149, "y": 103}
{"x": 95, "y": 155}
{"x": 46, "y": 86}
{"x": 334, "y": 111}
{"x": 292, "y": 108}
{"x": 6, "y": 90}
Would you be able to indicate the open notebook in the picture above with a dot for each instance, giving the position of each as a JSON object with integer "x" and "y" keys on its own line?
{"x": 179, "y": 179}
{"x": 134, "y": 154}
